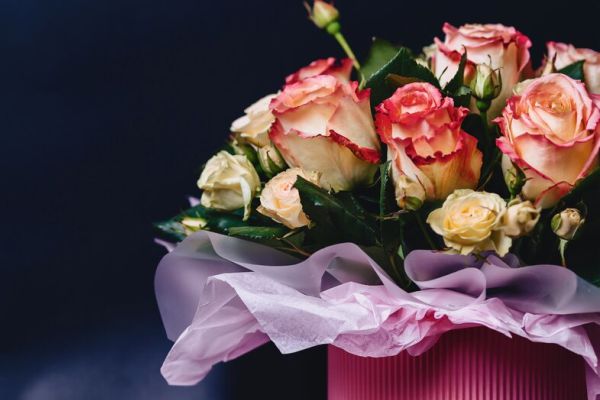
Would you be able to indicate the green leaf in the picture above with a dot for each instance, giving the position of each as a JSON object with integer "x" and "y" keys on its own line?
{"x": 216, "y": 221}
{"x": 258, "y": 233}
{"x": 402, "y": 64}
{"x": 574, "y": 70}
{"x": 381, "y": 53}
{"x": 462, "y": 96}
{"x": 457, "y": 80}
{"x": 386, "y": 191}
{"x": 172, "y": 229}
{"x": 336, "y": 218}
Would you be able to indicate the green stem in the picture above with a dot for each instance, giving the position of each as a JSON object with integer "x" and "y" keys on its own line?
{"x": 424, "y": 231}
{"x": 347, "y": 49}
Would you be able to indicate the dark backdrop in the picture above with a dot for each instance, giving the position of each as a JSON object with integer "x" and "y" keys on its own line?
{"x": 107, "y": 110}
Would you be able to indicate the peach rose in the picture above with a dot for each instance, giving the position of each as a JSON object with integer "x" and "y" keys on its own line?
{"x": 567, "y": 54}
{"x": 280, "y": 200}
{"x": 431, "y": 155}
{"x": 497, "y": 45}
{"x": 551, "y": 132}
{"x": 324, "y": 124}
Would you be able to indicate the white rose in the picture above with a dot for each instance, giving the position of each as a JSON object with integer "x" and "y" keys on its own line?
{"x": 471, "y": 222}
{"x": 229, "y": 182}
{"x": 280, "y": 200}
{"x": 254, "y": 126}
{"x": 520, "y": 218}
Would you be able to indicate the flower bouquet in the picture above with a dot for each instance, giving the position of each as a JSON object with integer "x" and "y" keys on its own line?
{"x": 385, "y": 205}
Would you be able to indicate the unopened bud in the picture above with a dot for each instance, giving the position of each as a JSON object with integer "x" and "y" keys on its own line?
{"x": 192, "y": 225}
{"x": 270, "y": 160}
{"x": 566, "y": 223}
{"x": 513, "y": 176}
{"x": 322, "y": 13}
{"x": 487, "y": 83}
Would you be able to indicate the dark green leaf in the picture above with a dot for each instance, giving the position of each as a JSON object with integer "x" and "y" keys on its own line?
{"x": 172, "y": 229}
{"x": 462, "y": 96}
{"x": 457, "y": 80}
{"x": 574, "y": 70}
{"x": 336, "y": 218}
{"x": 386, "y": 190}
{"x": 402, "y": 64}
{"x": 381, "y": 53}
{"x": 258, "y": 233}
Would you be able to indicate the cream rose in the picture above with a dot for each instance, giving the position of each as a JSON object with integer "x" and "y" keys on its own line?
{"x": 253, "y": 127}
{"x": 324, "y": 124}
{"x": 551, "y": 131}
{"x": 280, "y": 200}
{"x": 471, "y": 222}
{"x": 565, "y": 54}
{"x": 228, "y": 182}
{"x": 501, "y": 47}
{"x": 431, "y": 155}
{"x": 520, "y": 218}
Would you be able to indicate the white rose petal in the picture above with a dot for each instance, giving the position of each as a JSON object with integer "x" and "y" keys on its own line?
{"x": 229, "y": 182}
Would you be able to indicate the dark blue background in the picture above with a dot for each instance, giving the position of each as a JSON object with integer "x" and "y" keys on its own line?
{"x": 107, "y": 110}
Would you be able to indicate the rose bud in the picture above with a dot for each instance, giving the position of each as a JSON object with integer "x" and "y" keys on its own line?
{"x": 502, "y": 48}
{"x": 566, "y": 223}
{"x": 471, "y": 222}
{"x": 566, "y": 54}
{"x": 254, "y": 126}
{"x": 192, "y": 225}
{"x": 324, "y": 124}
{"x": 513, "y": 176}
{"x": 426, "y": 144}
{"x": 322, "y": 13}
{"x": 551, "y": 132}
{"x": 229, "y": 182}
{"x": 487, "y": 83}
{"x": 270, "y": 160}
{"x": 520, "y": 218}
{"x": 280, "y": 200}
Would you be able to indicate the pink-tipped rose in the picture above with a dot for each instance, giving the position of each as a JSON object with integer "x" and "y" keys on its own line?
{"x": 496, "y": 45}
{"x": 566, "y": 54}
{"x": 431, "y": 155}
{"x": 551, "y": 131}
{"x": 324, "y": 124}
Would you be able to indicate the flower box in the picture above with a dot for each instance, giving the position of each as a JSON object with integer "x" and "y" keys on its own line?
{"x": 466, "y": 364}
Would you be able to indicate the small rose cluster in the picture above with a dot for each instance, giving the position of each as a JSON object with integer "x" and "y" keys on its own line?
{"x": 540, "y": 129}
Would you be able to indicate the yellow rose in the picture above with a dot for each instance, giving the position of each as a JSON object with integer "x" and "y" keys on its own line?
{"x": 471, "y": 222}
{"x": 254, "y": 126}
{"x": 280, "y": 200}
{"x": 229, "y": 182}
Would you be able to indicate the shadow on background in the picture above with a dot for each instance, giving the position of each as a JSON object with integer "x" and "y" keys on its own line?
{"x": 107, "y": 111}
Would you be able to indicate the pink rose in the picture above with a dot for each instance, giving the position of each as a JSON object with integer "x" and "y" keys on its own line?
{"x": 567, "y": 54}
{"x": 504, "y": 47}
{"x": 551, "y": 132}
{"x": 324, "y": 124}
{"x": 431, "y": 155}
{"x": 326, "y": 66}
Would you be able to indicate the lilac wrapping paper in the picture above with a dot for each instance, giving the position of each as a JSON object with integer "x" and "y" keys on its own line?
{"x": 221, "y": 297}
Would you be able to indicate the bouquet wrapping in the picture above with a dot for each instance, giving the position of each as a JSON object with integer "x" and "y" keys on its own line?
{"x": 375, "y": 206}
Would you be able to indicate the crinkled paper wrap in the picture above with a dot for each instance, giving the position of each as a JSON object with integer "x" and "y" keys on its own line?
{"x": 221, "y": 297}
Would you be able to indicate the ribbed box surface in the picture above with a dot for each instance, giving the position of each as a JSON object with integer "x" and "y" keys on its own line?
{"x": 467, "y": 364}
